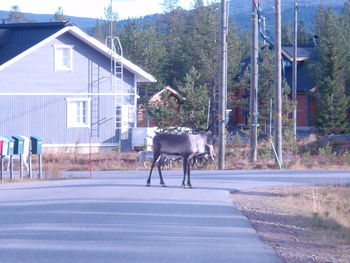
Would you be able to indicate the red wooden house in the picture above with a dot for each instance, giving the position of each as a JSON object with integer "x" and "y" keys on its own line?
{"x": 157, "y": 98}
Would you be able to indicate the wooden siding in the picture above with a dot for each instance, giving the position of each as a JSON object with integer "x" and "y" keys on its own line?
{"x": 306, "y": 110}
{"x": 46, "y": 117}
{"x": 302, "y": 110}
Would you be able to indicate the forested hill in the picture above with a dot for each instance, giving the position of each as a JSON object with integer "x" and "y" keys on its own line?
{"x": 240, "y": 11}
{"x": 244, "y": 6}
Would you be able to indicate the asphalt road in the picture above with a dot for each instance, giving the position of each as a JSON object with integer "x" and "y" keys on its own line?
{"x": 114, "y": 217}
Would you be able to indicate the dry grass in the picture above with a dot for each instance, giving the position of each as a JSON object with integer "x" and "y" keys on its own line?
{"x": 99, "y": 162}
{"x": 81, "y": 162}
{"x": 326, "y": 207}
{"x": 302, "y": 223}
{"x": 307, "y": 154}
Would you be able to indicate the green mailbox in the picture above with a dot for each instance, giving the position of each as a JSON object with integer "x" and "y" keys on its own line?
{"x": 18, "y": 145}
{"x": 36, "y": 145}
{"x": 11, "y": 144}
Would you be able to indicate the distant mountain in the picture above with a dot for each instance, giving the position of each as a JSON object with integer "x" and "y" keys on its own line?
{"x": 245, "y": 6}
{"x": 83, "y": 23}
{"x": 306, "y": 14}
{"x": 240, "y": 12}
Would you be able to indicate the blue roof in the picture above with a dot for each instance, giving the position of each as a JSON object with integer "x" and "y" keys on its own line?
{"x": 304, "y": 52}
{"x": 15, "y": 38}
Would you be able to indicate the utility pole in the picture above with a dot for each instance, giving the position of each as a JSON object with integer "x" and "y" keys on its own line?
{"x": 223, "y": 85}
{"x": 278, "y": 83}
{"x": 253, "y": 101}
{"x": 295, "y": 70}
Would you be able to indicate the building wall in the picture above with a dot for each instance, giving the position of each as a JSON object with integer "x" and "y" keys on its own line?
{"x": 28, "y": 111}
{"x": 306, "y": 109}
{"x": 302, "y": 110}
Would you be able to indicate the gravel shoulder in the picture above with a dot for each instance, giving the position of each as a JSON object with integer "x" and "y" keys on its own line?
{"x": 291, "y": 233}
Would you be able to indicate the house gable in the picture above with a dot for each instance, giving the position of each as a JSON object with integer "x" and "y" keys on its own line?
{"x": 35, "y": 35}
{"x": 14, "y": 39}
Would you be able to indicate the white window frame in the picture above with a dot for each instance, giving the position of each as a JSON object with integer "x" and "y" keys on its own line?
{"x": 72, "y": 114}
{"x": 58, "y": 65}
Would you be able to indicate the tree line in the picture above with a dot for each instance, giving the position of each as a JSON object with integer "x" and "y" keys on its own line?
{"x": 182, "y": 50}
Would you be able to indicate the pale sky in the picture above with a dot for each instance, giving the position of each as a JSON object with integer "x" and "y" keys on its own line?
{"x": 90, "y": 8}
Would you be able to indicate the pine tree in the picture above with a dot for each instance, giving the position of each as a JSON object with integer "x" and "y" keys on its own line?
{"x": 172, "y": 27}
{"x": 345, "y": 26}
{"x": 304, "y": 36}
{"x": 170, "y": 5}
{"x": 103, "y": 25}
{"x": 141, "y": 45}
{"x": 59, "y": 16}
{"x": 194, "y": 110}
{"x": 333, "y": 104}
{"x": 287, "y": 33}
{"x": 266, "y": 87}
{"x": 98, "y": 31}
{"x": 15, "y": 15}
{"x": 201, "y": 51}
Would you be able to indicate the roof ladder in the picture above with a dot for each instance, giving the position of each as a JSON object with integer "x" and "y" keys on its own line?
{"x": 117, "y": 81}
{"x": 94, "y": 86}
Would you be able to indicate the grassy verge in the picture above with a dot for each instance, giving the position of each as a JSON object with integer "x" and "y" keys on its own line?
{"x": 302, "y": 223}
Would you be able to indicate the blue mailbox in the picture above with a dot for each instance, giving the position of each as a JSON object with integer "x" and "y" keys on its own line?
{"x": 18, "y": 145}
{"x": 36, "y": 144}
{"x": 11, "y": 145}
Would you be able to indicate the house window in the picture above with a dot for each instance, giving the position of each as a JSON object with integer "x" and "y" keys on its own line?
{"x": 78, "y": 112}
{"x": 63, "y": 57}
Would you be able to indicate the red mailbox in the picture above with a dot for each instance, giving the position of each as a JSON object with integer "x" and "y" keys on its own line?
{"x": 1, "y": 143}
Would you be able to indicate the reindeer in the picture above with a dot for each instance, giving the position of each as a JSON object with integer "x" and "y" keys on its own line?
{"x": 185, "y": 145}
{"x": 201, "y": 160}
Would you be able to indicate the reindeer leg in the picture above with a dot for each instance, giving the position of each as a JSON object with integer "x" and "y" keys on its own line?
{"x": 160, "y": 163}
{"x": 188, "y": 170}
{"x": 185, "y": 165}
{"x": 150, "y": 174}
{"x": 189, "y": 186}
{"x": 155, "y": 158}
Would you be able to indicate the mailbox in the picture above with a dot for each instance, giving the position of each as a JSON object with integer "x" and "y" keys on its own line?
{"x": 11, "y": 145}
{"x": 36, "y": 144}
{"x": 18, "y": 145}
{"x": 5, "y": 146}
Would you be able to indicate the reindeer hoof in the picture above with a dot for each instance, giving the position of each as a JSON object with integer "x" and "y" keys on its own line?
{"x": 148, "y": 184}
{"x": 163, "y": 185}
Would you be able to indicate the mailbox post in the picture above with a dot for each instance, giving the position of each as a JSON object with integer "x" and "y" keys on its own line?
{"x": 19, "y": 149}
{"x": 10, "y": 151}
{"x": 5, "y": 145}
{"x": 36, "y": 143}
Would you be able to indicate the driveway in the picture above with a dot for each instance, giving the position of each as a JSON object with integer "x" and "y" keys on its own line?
{"x": 114, "y": 217}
